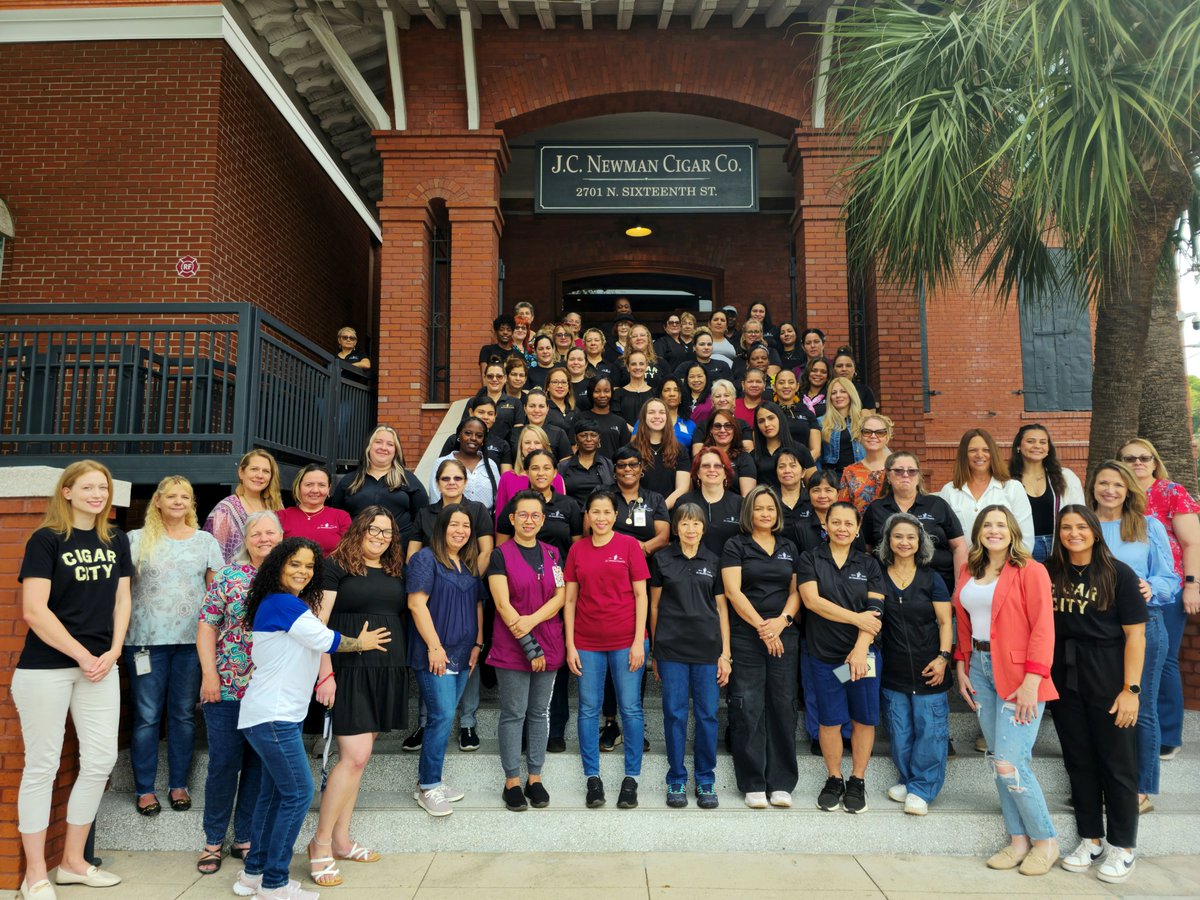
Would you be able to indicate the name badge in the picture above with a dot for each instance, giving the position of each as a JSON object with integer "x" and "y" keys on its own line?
{"x": 639, "y": 517}
{"x": 558, "y": 577}
{"x": 141, "y": 662}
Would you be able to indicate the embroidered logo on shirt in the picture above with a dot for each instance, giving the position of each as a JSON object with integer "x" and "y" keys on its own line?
{"x": 615, "y": 558}
{"x": 786, "y": 557}
{"x": 704, "y": 573}
{"x": 857, "y": 576}
{"x": 925, "y": 517}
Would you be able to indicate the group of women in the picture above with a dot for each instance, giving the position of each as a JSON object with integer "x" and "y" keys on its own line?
{"x": 767, "y": 543}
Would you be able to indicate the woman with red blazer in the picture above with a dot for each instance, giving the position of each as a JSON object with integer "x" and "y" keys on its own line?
{"x": 1004, "y": 652}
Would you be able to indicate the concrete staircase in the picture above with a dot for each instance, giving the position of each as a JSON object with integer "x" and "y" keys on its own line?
{"x": 965, "y": 819}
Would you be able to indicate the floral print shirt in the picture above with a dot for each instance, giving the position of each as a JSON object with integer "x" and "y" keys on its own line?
{"x": 224, "y": 608}
{"x": 1165, "y": 500}
{"x": 860, "y": 485}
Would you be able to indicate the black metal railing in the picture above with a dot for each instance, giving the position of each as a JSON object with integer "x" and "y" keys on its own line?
{"x": 140, "y": 385}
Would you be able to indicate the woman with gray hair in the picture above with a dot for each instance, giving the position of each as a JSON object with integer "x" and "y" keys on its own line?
{"x": 916, "y": 657}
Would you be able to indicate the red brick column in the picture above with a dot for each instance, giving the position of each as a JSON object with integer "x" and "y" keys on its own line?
{"x": 816, "y": 159}
{"x": 461, "y": 169}
{"x": 893, "y": 357}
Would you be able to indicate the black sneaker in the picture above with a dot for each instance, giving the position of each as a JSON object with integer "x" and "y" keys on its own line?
{"x": 610, "y": 736}
{"x": 514, "y": 799}
{"x": 412, "y": 743}
{"x": 539, "y": 797}
{"x": 855, "y": 800}
{"x": 815, "y": 748}
{"x": 595, "y": 792}
{"x": 645, "y": 745}
{"x": 830, "y": 797}
{"x": 627, "y": 799}
{"x": 676, "y": 796}
{"x": 556, "y": 745}
{"x": 706, "y": 796}
{"x": 950, "y": 751}
{"x": 468, "y": 740}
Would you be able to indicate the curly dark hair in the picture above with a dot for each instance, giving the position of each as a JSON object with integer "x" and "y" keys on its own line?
{"x": 349, "y": 555}
{"x": 267, "y": 581}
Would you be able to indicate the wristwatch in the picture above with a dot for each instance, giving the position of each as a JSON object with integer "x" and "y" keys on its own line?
{"x": 788, "y": 619}
{"x": 945, "y": 654}
{"x": 1134, "y": 689}
{"x": 1189, "y": 579}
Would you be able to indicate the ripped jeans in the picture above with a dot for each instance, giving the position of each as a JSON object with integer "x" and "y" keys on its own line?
{"x": 1021, "y": 798}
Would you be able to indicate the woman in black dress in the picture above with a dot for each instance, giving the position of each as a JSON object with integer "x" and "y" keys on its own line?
{"x": 366, "y": 693}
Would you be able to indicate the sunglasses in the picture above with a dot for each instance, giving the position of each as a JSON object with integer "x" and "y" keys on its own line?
{"x": 874, "y": 432}
{"x": 722, "y": 426}
{"x": 905, "y": 473}
{"x": 1144, "y": 458}
{"x": 628, "y": 464}
{"x": 451, "y": 478}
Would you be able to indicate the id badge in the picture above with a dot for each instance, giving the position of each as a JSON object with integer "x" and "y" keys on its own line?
{"x": 141, "y": 662}
{"x": 639, "y": 517}
{"x": 870, "y": 665}
{"x": 559, "y": 581}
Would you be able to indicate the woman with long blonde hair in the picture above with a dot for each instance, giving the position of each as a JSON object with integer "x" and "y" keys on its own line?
{"x": 383, "y": 479}
{"x": 258, "y": 489}
{"x": 841, "y": 427}
{"x": 174, "y": 563}
{"x": 75, "y": 598}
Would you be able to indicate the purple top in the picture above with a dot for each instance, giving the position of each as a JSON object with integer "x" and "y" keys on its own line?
{"x": 528, "y": 591}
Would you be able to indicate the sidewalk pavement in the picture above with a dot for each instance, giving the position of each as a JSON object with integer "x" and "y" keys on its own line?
{"x": 652, "y": 876}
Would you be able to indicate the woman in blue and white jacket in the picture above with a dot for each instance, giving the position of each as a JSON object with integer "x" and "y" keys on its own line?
{"x": 1140, "y": 541}
{"x": 288, "y": 641}
{"x": 841, "y": 427}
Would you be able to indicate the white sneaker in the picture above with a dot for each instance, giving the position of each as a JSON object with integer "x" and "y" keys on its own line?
{"x": 1117, "y": 866}
{"x": 247, "y": 885}
{"x": 290, "y": 891}
{"x": 1083, "y": 857}
{"x": 781, "y": 798}
{"x": 433, "y": 801}
{"x": 898, "y": 792}
{"x": 452, "y": 794}
{"x": 757, "y": 800}
{"x": 915, "y": 806}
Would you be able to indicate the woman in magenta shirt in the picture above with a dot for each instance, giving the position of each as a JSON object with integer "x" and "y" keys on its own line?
{"x": 310, "y": 517}
{"x": 605, "y": 619}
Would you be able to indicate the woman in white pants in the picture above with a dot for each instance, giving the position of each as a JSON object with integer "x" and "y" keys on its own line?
{"x": 76, "y": 601}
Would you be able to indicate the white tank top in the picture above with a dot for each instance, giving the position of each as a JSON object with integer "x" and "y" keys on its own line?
{"x": 976, "y": 599}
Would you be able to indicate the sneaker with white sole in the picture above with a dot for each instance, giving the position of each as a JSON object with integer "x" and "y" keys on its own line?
{"x": 831, "y": 795}
{"x": 915, "y": 806}
{"x": 1083, "y": 857}
{"x": 247, "y": 885}
{"x": 452, "y": 794}
{"x": 433, "y": 801}
{"x": 898, "y": 792}
{"x": 290, "y": 891}
{"x": 782, "y": 799}
{"x": 1168, "y": 752}
{"x": 757, "y": 799}
{"x": 1117, "y": 866}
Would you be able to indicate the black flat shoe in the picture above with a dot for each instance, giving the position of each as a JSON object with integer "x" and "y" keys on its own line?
{"x": 514, "y": 800}
{"x": 595, "y": 792}
{"x": 539, "y": 797}
{"x": 181, "y": 804}
{"x": 150, "y": 809}
{"x": 238, "y": 852}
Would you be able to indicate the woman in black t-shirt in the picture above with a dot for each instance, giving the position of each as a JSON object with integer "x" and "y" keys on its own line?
{"x": 1099, "y": 645}
{"x": 689, "y": 627}
{"x": 636, "y": 390}
{"x": 712, "y": 478}
{"x": 770, "y": 436}
{"x": 758, "y": 569}
{"x": 724, "y": 431}
{"x": 383, "y": 480}
{"x": 665, "y": 462}
{"x": 641, "y": 512}
{"x": 75, "y": 596}
{"x": 614, "y": 431}
{"x": 916, "y": 648}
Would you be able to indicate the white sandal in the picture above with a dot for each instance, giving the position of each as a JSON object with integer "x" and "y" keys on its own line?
{"x": 361, "y": 854}
{"x": 330, "y": 870}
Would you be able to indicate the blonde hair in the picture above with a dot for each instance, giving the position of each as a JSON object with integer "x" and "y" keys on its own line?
{"x": 834, "y": 421}
{"x": 651, "y": 356}
{"x": 153, "y": 529}
{"x": 977, "y": 559}
{"x": 518, "y": 457}
{"x": 1133, "y": 508}
{"x": 272, "y": 495}
{"x": 1160, "y": 468}
{"x": 58, "y": 511}
{"x": 395, "y": 478}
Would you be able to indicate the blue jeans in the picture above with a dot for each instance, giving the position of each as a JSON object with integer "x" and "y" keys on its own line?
{"x": 283, "y": 800}
{"x": 174, "y": 682}
{"x": 1021, "y": 798}
{"x": 920, "y": 729}
{"x": 1149, "y": 739}
{"x": 1041, "y": 547}
{"x": 469, "y": 703}
{"x": 809, "y": 682}
{"x": 234, "y": 770}
{"x": 596, "y": 664}
{"x": 441, "y": 694}
{"x": 679, "y": 681}
{"x": 1170, "y": 689}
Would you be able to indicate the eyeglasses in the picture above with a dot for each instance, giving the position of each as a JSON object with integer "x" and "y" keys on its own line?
{"x": 494, "y": 377}
{"x": 1144, "y": 458}
{"x": 376, "y": 532}
{"x": 674, "y": 322}
{"x": 874, "y": 432}
{"x": 905, "y": 473}
{"x": 525, "y": 516}
{"x": 722, "y": 426}
{"x": 715, "y": 465}
{"x": 629, "y": 464}
{"x": 451, "y": 478}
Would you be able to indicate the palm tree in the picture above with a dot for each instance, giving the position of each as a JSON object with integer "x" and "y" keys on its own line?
{"x": 987, "y": 129}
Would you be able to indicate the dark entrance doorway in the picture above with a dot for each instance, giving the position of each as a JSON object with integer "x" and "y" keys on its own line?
{"x": 653, "y": 293}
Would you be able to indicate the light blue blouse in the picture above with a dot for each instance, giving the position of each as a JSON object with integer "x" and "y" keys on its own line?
{"x": 1150, "y": 559}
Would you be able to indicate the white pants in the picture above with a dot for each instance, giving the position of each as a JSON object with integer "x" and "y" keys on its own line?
{"x": 43, "y": 697}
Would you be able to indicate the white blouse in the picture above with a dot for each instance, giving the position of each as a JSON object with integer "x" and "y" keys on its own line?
{"x": 1010, "y": 494}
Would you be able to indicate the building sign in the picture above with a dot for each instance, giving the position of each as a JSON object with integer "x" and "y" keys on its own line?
{"x": 187, "y": 267}
{"x": 695, "y": 176}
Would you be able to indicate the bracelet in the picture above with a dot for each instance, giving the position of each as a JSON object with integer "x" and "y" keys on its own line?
{"x": 479, "y": 646}
{"x": 323, "y": 680}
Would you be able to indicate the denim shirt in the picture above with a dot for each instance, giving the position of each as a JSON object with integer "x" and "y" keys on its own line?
{"x": 832, "y": 450}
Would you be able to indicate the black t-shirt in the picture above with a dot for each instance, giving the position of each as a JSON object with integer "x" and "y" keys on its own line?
{"x": 716, "y": 368}
{"x": 766, "y": 578}
{"x": 564, "y": 520}
{"x": 487, "y": 351}
{"x": 1089, "y": 645}
{"x": 628, "y": 403}
{"x": 655, "y": 474}
{"x": 794, "y": 359}
{"x": 688, "y": 629}
{"x": 84, "y": 574}
{"x": 935, "y": 516}
{"x": 847, "y": 586}
{"x": 582, "y": 391}
{"x": 404, "y": 503}
{"x": 560, "y": 444}
{"x": 764, "y": 464}
{"x": 637, "y": 519}
{"x": 481, "y": 521}
{"x": 807, "y": 530}
{"x": 723, "y": 518}
{"x": 910, "y": 639}
{"x": 1043, "y": 512}
{"x": 614, "y": 432}
{"x": 799, "y": 422}
{"x": 672, "y": 353}
{"x": 580, "y": 482}
{"x": 865, "y": 395}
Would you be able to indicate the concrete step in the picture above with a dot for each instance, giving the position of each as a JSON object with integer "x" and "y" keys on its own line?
{"x": 961, "y": 824}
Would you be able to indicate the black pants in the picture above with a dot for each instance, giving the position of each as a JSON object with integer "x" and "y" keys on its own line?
{"x": 1102, "y": 763}
{"x": 762, "y": 711}
{"x": 560, "y": 709}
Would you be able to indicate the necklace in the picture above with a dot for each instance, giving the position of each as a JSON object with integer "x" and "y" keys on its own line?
{"x": 312, "y": 515}
{"x": 903, "y": 581}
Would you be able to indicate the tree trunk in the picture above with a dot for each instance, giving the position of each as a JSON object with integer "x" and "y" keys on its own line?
{"x": 1165, "y": 418}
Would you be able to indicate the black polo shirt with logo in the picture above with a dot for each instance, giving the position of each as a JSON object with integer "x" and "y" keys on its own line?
{"x": 688, "y": 628}
{"x": 766, "y": 578}
{"x": 847, "y": 586}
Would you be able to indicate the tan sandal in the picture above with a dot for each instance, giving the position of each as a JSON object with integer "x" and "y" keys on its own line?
{"x": 328, "y": 875}
{"x": 360, "y": 854}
